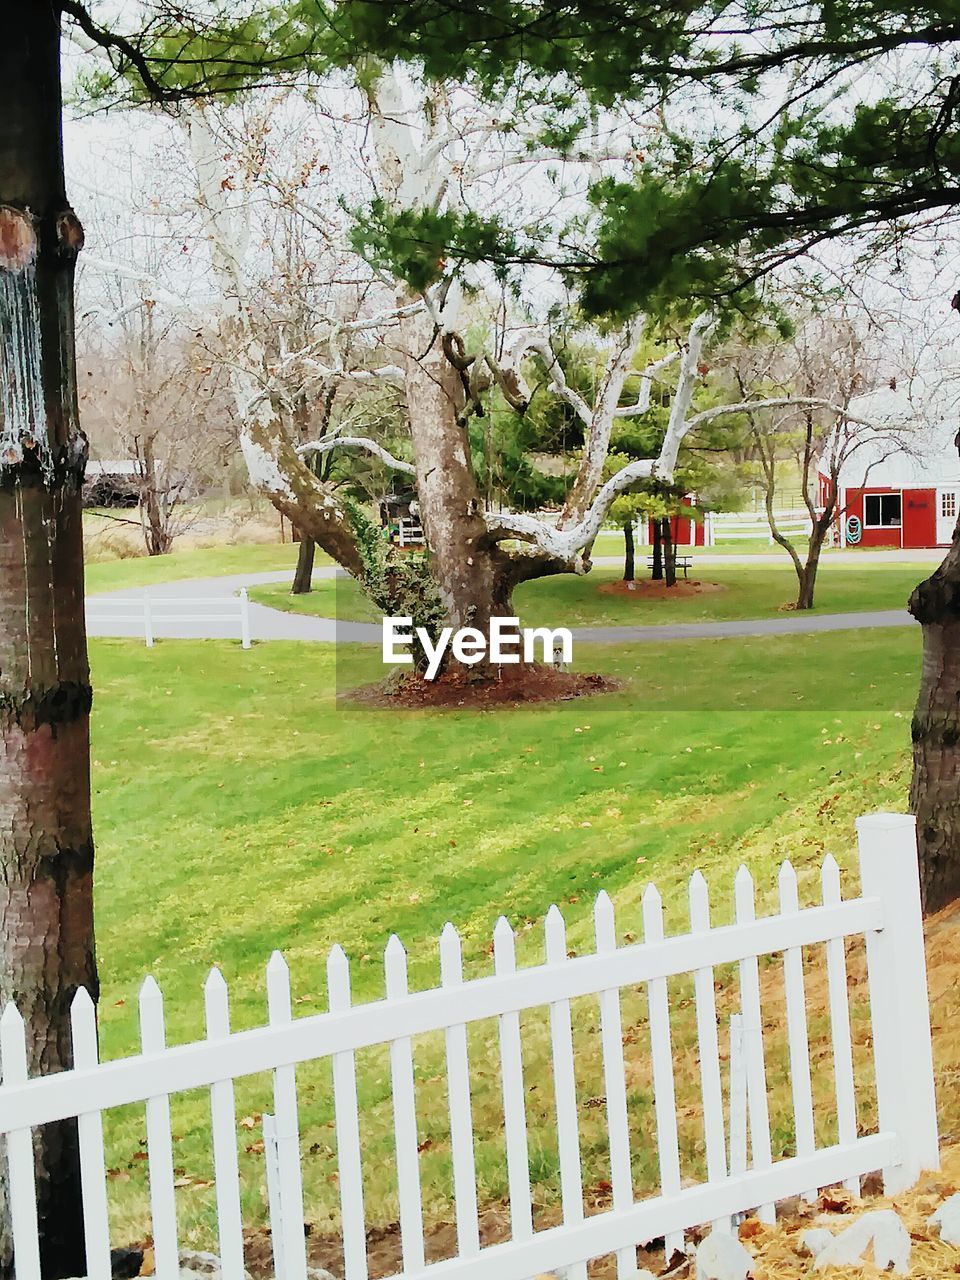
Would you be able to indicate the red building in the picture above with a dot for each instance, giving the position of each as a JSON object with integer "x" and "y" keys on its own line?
{"x": 685, "y": 530}
{"x": 897, "y": 492}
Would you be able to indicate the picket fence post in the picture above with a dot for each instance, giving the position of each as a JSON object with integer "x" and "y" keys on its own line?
{"x": 147, "y": 619}
{"x": 244, "y": 619}
{"x": 896, "y": 970}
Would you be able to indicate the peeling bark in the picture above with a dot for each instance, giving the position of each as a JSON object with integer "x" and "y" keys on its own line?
{"x": 46, "y": 846}
{"x": 468, "y": 569}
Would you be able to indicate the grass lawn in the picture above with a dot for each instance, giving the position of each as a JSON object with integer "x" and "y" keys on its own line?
{"x": 749, "y": 592}
{"x": 239, "y": 807}
{"x": 143, "y": 571}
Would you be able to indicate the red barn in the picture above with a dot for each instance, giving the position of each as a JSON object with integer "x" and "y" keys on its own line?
{"x": 897, "y": 491}
{"x": 687, "y": 531}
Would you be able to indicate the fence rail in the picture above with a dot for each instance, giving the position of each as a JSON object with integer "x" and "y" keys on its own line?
{"x": 150, "y": 612}
{"x": 887, "y": 914}
{"x": 735, "y": 525}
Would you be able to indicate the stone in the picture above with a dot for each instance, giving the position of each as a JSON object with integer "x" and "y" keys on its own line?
{"x": 198, "y": 1260}
{"x": 814, "y": 1241}
{"x": 197, "y": 1264}
{"x": 947, "y": 1220}
{"x": 722, "y": 1257}
{"x": 880, "y": 1228}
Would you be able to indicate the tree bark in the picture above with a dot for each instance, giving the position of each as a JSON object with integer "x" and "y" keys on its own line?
{"x": 807, "y": 575}
{"x": 469, "y": 570}
{"x": 629, "y": 563}
{"x": 303, "y": 574}
{"x": 669, "y": 554}
{"x": 46, "y": 846}
{"x": 935, "y": 789}
{"x": 657, "y": 574}
{"x": 156, "y": 533}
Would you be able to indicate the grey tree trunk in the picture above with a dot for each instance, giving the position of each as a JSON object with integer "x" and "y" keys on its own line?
{"x": 46, "y": 846}
{"x": 156, "y": 529}
{"x": 470, "y": 573}
{"x": 935, "y": 789}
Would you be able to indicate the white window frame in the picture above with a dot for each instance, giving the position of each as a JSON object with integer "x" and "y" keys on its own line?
{"x": 896, "y": 494}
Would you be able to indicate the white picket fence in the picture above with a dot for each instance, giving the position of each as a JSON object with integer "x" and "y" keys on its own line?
{"x": 150, "y": 614}
{"x": 887, "y": 914}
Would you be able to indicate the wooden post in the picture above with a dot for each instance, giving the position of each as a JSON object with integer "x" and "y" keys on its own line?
{"x": 896, "y": 969}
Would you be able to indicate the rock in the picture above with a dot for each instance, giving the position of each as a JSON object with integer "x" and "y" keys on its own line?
{"x": 196, "y": 1264}
{"x": 881, "y": 1228}
{"x": 200, "y": 1262}
{"x": 814, "y": 1241}
{"x": 318, "y": 1273}
{"x": 722, "y": 1257}
{"x": 947, "y": 1220}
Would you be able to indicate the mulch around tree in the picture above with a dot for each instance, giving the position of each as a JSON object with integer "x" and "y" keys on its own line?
{"x": 462, "y": 688}
{"x": 647, "y": 589}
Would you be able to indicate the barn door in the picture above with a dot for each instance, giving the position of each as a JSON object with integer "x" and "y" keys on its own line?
{"x": 948, "y": 507}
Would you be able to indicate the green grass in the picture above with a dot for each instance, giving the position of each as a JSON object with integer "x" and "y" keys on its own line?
{"x": 144, "y": 571}
{"x": 240, "y": 807}
{"x": 749, "y": 591}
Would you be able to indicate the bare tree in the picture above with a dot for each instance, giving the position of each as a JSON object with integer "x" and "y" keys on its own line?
{"x": 829, "y": 354}
{"x": 150, "y": 397}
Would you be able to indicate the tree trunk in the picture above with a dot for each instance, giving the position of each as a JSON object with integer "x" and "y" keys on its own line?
{"x": 156, "y": 535}
{"x": 468, "y": 570}
{"x": 935, "y": 790}
{"x": 669, "y": 554}
{"x": 629, "y": 567}
{"x": 807, "y": 576}
{"x": 303, "y": 574}
{"x": 657, "y": 574}
{"x": 46, "y": 847}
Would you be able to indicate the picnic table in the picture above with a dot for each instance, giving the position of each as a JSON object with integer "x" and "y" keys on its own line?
{"x": 683, "y": 562}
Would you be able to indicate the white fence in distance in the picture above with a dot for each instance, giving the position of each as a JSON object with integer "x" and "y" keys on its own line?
{"x": 887, "y": 914}
{"x": 747, "y": 525}
{"x": 150, "y": 612}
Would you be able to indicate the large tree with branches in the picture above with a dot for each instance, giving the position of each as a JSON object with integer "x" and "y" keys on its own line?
{"x": 834, "y": 123}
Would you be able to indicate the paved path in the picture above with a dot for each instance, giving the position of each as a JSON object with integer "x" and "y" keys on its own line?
{"x": 208, "y": 609}
{"x": 789, "y": 624}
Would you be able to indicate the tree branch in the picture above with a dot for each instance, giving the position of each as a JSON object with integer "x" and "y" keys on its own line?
{"x": 646, "y": 385}
{"x": 358, "y": 442}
